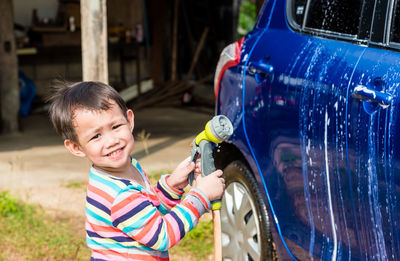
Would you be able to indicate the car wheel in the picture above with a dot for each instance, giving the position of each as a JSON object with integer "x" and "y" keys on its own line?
{"x": 245, "y": 224}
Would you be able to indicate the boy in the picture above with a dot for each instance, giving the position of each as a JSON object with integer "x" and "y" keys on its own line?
{"x": 126, "y": 218}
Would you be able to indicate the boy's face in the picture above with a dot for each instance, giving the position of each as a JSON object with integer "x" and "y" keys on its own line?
{"x": 105, "y": 137}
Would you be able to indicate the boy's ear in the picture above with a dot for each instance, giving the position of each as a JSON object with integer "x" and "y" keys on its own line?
{"x": 131, "y": 118}
{"x": 74, "y": 148}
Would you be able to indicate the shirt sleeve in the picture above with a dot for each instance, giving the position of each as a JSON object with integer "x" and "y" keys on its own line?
{"x": 168, "y": 195}
{"x": 134, "y": 213}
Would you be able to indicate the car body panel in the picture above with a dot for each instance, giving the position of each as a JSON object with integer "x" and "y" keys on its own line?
{"x": 299, "y": 109}
{"x": 326, "y": 161}
{"x": 374, "y": 150}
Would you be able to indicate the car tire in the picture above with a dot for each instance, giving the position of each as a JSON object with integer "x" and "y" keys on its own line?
{"x": 246, "y": 233}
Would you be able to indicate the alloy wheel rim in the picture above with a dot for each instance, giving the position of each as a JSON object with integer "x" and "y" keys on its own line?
{"x": 239, "y": 224}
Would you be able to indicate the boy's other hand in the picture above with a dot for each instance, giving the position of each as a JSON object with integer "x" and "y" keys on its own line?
{"x": 179, "y": 177}
{"x": 212, "y": 186}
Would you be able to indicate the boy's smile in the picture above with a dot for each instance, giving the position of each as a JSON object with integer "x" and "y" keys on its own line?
{"x": 105, "y": 137}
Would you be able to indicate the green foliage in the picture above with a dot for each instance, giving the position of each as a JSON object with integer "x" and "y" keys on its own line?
{"x": 247, "y": 17}
{"x": 202, "y": 231}
{"x": 33, "y": 235}
{"x": 8, "y": 205}
{"x": 199, "y": 241}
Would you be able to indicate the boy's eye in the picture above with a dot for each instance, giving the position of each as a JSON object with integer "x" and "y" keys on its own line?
{"x": 95, "y": 136}
{"x": 116, "y": 126}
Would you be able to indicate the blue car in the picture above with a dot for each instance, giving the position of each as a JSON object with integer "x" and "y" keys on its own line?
{"x": 313, "y": 167}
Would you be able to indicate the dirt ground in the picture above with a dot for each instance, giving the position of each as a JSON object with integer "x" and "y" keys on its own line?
{"x": 35, "y": 166}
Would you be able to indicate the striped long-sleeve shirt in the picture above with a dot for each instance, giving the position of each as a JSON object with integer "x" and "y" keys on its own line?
{"x": 126, "y": 221}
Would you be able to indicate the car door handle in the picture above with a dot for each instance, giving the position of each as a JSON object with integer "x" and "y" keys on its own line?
{"x": 364, "y": 93}
{"x": 262, "y": 67}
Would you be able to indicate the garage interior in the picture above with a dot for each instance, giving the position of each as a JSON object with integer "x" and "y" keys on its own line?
{"x": 160, "y": 53}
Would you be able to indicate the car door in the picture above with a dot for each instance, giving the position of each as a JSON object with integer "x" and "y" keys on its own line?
{"x": 373, "y": 147}
{"x": 295, "y": 94}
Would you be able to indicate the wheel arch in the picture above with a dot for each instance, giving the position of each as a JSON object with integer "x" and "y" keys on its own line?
{"x": 226, "y": 153}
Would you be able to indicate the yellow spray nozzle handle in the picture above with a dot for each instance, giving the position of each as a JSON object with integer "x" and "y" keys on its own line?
{"x": 206, "y": 134}
{"x": 216, "y": 205}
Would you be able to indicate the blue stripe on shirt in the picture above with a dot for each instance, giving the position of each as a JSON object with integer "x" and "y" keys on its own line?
{"x": 165, "y": 193}
{"x": 98, "y": 205}
{"x": 187, "y": 216}
{"x": 180, "y": 223}
{"x": 131, "y": 212}
{"x": 156, "y": 235}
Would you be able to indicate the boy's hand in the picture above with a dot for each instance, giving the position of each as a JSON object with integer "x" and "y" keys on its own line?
{"x": 179, "y": 177}
{"x": 212, "y": 186}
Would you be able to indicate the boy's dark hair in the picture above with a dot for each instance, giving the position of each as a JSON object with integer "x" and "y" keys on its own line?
{"x": 88, "y": 95}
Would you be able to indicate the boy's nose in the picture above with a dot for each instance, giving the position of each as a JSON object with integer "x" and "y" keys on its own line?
{"x": 111, "y": 140}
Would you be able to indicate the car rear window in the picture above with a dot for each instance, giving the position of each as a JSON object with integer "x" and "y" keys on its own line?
{"x": 337, "y": 17}
{"x": 340, "y": 16}
{"x": 395, "y": 32}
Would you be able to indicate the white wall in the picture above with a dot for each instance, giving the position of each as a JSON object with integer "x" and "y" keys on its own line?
{"x": 23, "y": 10}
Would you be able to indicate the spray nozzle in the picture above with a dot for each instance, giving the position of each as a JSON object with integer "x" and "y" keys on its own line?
{"x": 217, "y": 130}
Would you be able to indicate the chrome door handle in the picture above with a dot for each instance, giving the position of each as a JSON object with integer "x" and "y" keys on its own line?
{"x": 364, "y": 93}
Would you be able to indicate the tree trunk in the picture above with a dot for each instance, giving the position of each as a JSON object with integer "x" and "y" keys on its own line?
{"x": 235, "y": 19}
{"x": 94, "y": 40}
{"x": 9, "y": 89}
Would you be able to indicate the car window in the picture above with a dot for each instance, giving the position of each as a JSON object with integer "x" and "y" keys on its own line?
{"x": 395, "y": 32}
{"x": 349, "y": 19}
{"x": 340, "y": 16}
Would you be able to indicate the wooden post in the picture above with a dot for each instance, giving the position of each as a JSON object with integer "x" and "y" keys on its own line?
{"x": 174, "y": 40}
{"x": 94, "y": 40}
{"x": 157, "y": 18}
{"x": 9, "y": 89}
